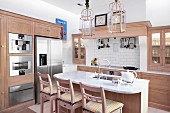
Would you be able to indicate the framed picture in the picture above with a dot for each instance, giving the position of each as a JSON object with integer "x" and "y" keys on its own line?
{"x": 100, "y": 20}
{"x": 63, "y": 31}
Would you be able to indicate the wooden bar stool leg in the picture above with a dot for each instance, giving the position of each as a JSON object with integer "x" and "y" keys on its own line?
{"x": 58, "y": 107}
{"x": 72, "y": 110}
{"x": 41, "y": 104}
{"x": 51, "y": 106}
{"x": 56, "y": 110}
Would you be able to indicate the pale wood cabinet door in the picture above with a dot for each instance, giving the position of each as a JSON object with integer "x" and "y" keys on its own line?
{"x": 54, "y": 32}
{"x": 166, "y": 47}
{"x": 17, "y": 25}
{"x": 41, "y": 29}
{"x": 156, "y": 48}
{"x": 2, "y": 62}
{"x": 79, "y": 51}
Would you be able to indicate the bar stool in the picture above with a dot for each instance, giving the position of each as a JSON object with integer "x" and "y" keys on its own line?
{"x": 67, "y": 97}
{"x": 47, "y": 91}
{"x": 98, "y": 104}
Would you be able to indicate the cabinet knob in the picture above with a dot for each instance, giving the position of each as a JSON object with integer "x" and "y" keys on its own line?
{"x": 2, "y": 46}
{"x": 1, "y": 92}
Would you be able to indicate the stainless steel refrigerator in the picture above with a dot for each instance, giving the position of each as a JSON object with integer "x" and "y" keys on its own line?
{"x": 47, "y": 59}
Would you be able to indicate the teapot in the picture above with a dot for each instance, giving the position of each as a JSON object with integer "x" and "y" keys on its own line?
{"x": 128, "y": 76}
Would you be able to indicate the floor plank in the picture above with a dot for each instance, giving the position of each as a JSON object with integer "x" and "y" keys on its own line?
{"x": 36, "y": 108}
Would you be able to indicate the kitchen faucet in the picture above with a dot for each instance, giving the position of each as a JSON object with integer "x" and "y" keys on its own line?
{"x": 99, "y": 64}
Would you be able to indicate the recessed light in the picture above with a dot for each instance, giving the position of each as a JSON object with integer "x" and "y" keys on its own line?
{"x": 79, "y": 4}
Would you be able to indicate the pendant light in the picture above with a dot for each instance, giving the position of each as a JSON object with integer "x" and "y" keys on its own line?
{"x": 87, "y": 19}
{"x": 117, "y": 17}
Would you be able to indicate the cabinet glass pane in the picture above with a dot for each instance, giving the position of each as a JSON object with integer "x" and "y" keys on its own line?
{"x": 156, "y": 48}
{"x": 167, "y": 48}
{"x": 76, "y": 44}
{"x": 82, "y": 50}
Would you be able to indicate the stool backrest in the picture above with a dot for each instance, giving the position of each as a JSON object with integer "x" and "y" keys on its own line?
{"x": 90, "y": 97}
{"x": 61, "y": 88}
{"x": 45, "y": 81}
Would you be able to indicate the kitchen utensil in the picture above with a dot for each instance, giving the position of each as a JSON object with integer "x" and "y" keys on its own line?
{"x": 128, "y": 45}
{"x": 107, "y": 46}
{"x": 121, "y": 43}
{"x": 131, "y": 44}
{"x": 98, "y": 47}
{"x": 128, "y": 76}
{"x": 125, "y": 43}
{"x": 134, "y": 42}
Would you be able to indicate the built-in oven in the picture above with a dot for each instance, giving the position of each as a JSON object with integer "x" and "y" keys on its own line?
{"x": 21, "y": 93}
{"x": 20, "y": 65}
{"x": 20, "y": 43}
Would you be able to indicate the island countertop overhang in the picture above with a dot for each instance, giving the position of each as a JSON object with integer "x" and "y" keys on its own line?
{"x": 87, "y": 78}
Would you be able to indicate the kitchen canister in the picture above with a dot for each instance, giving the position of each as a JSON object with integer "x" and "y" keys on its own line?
{"x": 116, "y": 81}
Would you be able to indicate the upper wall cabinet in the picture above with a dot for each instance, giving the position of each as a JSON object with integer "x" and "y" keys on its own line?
{"x": 47, "y": 30}
{"x": 159, "y": 48}
{"x": 22, "y": 26}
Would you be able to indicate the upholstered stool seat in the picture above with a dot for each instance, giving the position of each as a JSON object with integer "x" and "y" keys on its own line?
{"x": 47, "y": 90}
{"x": 67, "y": 97}
{"x": 97, "y": 107}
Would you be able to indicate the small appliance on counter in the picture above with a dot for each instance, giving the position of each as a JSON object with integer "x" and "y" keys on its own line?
{"x": 128, "y": 76}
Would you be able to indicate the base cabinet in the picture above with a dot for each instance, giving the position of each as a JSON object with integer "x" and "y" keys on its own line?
{"x": 159, "y": 90}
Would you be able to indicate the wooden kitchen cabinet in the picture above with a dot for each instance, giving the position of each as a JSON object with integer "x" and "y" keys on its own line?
{"x": 79, "y": 51}
{"x": 21, "y": 26}
{"x": 159, "y": 49}
{"x": 2, "y": 62}
{"x": 48, "y": 30}
{"x": 159, "y": 90}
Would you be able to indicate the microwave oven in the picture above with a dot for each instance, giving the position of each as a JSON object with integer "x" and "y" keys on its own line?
{"x": 20, "y": 43}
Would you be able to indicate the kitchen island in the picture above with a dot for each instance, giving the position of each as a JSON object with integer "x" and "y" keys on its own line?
{"x": 134, "y": 97}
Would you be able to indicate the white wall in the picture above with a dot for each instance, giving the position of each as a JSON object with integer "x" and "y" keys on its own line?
{"x": 44, "y": 11}
{"x": 158, "y": 12}
{"x": 116, "y": 55}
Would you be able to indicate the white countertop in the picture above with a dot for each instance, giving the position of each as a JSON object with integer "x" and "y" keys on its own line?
{"x": 121, "y": 68}
{"x": 87, "y": 78}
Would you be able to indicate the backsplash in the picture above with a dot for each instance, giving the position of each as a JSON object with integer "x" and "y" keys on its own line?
{"x": 116, "y": 55}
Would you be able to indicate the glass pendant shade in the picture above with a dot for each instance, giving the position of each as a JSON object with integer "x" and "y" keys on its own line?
{"x": 87, "y": 21}
{"x": 117, "y": 18}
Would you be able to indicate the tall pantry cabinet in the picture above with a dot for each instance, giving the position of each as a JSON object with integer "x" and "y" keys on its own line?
{"x": 2, "y": 60}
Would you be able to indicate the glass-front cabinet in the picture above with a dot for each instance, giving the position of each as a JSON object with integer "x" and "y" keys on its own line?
{"x": 167, "y": 47}
{"x": 156, "y": 47}
{"x": 79, "y": 51}
{"x": 159, "y": 49}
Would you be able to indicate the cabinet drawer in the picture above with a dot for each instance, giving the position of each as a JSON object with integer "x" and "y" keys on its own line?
{"x": 54, "y": 32}
{"x": 42, "y": 29}
{"x": 159, "y": 96}
{"x": 47, "y": 30}
{"x": 158, "y": 81}
{"x": 16, "y": 25}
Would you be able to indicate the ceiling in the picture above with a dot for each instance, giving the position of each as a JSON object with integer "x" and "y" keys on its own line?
{"x": 98, "y": 6}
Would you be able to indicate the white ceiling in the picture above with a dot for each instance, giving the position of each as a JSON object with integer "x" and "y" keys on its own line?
{"x": 98, "y": 6}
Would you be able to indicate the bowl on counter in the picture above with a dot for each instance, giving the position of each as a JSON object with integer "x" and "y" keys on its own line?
{"x": 130, "y": 67}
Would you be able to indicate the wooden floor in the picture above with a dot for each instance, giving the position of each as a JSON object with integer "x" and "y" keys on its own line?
{"x": 27, "y": 110}
{"x": 36, "y": 108}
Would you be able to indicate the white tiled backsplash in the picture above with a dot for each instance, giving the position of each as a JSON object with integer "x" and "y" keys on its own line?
{"x": 116, "y": 55}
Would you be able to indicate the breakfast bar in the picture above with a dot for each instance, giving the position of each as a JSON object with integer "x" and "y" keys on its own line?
{"x": 134, "y": 96}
